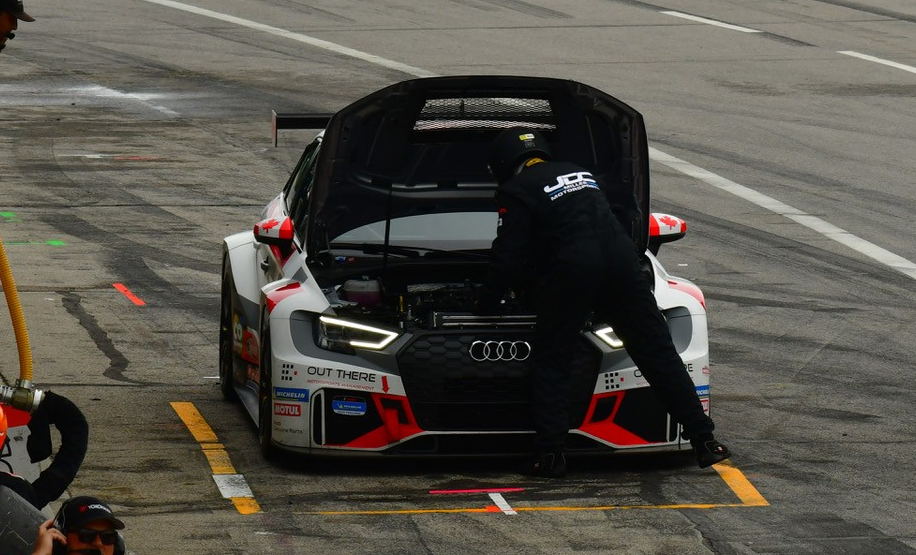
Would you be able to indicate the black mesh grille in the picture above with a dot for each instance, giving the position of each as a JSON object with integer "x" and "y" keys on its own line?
{"x": 484, "y": 113}
{"x": 449, "y": 391}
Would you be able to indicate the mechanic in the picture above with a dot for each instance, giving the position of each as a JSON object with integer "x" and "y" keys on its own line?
{"x": 83, "y": 525}
{"x": 74, "y": 438}
{"x": 558, "y": 233}
{"x": 11, "y": 12}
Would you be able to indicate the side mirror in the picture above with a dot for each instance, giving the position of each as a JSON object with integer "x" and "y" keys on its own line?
{"x": 664, "y": 228}
{"x": 273, "y": 231}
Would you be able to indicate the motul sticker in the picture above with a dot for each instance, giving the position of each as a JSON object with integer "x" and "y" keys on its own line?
{"x": 287, "y": 409}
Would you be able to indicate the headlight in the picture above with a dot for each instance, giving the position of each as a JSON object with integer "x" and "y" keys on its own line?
{"x": 607, "y": 335}
{"x": 344, "y": 336}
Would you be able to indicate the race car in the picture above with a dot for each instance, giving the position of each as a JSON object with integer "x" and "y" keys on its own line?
{"x": 346, "y": 322}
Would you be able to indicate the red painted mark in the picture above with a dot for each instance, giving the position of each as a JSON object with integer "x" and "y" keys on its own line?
{"x": 485, "y": 490}
{"x": 127, "y": 293}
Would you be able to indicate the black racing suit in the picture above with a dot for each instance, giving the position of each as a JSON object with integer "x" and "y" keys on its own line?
{"x": 557, "y": 231}
{"x": 74, "y": 438}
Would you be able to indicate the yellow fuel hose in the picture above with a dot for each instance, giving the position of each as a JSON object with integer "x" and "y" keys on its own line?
{"x": 12, "y": 301}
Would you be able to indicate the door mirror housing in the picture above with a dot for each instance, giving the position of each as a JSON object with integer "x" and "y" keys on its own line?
{"x": 276, "y": 232}
{"x": 664, "y": 228}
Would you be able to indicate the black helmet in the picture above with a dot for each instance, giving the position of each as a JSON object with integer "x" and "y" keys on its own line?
{"x": 512, "y": 147}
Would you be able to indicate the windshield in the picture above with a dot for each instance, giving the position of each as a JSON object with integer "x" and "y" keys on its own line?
{"x": 448, "y": 231}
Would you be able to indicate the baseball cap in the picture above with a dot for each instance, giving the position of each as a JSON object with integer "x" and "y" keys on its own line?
{"x": 16, "y": 8}
{"x": 80, "y": 510}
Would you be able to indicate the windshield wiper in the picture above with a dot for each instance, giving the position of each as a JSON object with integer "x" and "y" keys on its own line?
{"x": 409, "y": 252}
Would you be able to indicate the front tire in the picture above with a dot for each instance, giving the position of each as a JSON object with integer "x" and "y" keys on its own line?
{"x": 226, "y": 340}
{"x": 265, "y": 395}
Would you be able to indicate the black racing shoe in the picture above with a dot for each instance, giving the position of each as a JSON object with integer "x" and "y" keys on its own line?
{"x": 709, "y": 451}
{"x": 547, "y": 465}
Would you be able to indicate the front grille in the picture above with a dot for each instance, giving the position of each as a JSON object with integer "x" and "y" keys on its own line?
{"x": 449, "y": 391}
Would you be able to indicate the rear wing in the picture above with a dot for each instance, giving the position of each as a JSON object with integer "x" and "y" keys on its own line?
{"x": 297, "y": 121}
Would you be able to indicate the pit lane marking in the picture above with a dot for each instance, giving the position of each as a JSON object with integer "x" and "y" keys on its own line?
{"x": 129, "y": 294}
{"x": 866, "y": 57}
{"x": 737, "y": 482}
{"x": 231, "y": 484}
{"x": 740, "y": 485}
{"x": 299, "y": 37}
{"x": 710, "y": 22}
{"x": 814, "y": 223}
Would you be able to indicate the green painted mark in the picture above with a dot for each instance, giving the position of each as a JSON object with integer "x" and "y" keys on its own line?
{"x": 9, "y": 216}
{"x": 52, "y": 243}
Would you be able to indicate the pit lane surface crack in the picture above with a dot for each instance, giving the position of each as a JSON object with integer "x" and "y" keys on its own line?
{"x": 115, "y": 371}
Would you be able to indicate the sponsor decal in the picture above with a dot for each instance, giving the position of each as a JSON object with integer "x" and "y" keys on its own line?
{"x": 349, "y": 406}
{"x": 348, "y": 375}
{"x": 287, "y": 409}
{"x": 288, "y": 372}
{"x": 95, "y": 506}
{"x": 292, "y": 393}
{"x": 570, "y": 183}
{"x": 702, "y": 390}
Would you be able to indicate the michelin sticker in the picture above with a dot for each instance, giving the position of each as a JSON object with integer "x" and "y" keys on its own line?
{"x": 349, "y": 407}
{"x": 292, "y": 394}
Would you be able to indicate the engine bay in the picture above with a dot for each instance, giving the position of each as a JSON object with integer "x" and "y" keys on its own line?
{"x": 408, "y": 302}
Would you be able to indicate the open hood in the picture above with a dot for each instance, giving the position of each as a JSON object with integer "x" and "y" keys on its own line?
{"x": 419, "y": 147}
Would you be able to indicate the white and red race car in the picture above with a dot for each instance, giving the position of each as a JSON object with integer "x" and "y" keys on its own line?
{"x": 346, "y": 321}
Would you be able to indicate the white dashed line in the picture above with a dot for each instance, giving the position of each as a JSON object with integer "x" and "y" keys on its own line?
{"x": 904, "y": 67}
{"x": 366, "y": 57}
{"x": 812, "y": 222}
{"x": 232, "y": 485}
{"x": 502, "y": 504}
{"x": 710, "y": 22}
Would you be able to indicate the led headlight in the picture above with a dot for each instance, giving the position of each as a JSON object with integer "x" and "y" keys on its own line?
{"x": 607, "y": 335}
{"x": 343, "y": 336}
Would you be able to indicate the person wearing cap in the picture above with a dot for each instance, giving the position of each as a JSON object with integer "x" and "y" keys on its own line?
{"x": 83, "y": 525}
{"x": 11, "y": 13}
{"x": 558, "y": 233}
{"x": 67, "y": 418}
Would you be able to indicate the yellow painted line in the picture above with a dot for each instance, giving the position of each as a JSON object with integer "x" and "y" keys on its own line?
{"x": 231, "y": 485}
{"x": 219, "y": 461}
{"x": 739, "y": 484}
{"x": 195, "y": 422}
{"x": 734, "y": 478}
{"x": 246, "y": 505}
{"x": 533, "y": 509}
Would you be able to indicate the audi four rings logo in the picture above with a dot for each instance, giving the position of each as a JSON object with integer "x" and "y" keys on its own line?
{"x": 495, "y": 351}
